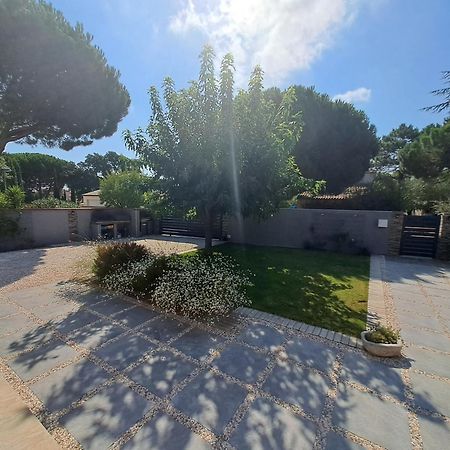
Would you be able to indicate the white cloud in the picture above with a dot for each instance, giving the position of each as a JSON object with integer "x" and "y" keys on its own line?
{"x": 359, "y": 95}
{"x": 282, "y": 36}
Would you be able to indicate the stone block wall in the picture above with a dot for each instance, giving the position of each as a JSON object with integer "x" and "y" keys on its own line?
{"x": 395, "y": 233}
{"x": 443, "y": 248}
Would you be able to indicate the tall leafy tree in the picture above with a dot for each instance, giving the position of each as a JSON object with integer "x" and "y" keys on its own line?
{"x": 429, "y": 155}
{"x": 42, "y": 175}
{"x": 110, "y": 162}
{"x": 386, "y": 160}
{"x": 56, "y": 88}
{"x": 125, "y": 189}
{"x": 217, "y": 153}
{"x": 337, "y": 142}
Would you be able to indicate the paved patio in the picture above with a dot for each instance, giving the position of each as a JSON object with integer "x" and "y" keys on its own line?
{"x": 100, "y": 371}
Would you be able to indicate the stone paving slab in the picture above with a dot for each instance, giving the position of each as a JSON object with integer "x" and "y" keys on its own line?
{"x": 24, "y": 339}
{"x": 267, "y": 425}
{"x": 104, "y": 417}
{"x": 197, "y": 343}
{"x": 42, "y": 359}
{"x": 246, "y": 382}
{"x": 61, "y": 388}
{"x": 337, "y": 442}
{"x": 161, "y": 372}
{"x": 365, "y": 415}
{"x": 431, "y": 394}
{"x": 299, "y": 386}
{"x": 435, "y": 432}
{"x": 166, "y": 433}
{"x": 96, "y": 334}
{"x": 312, "y": 353}
{"x": 124, "y": 351}
{"x": 374, "y": 375}
{"x": 242, "y": 362}
{"x": 211, "y": 400}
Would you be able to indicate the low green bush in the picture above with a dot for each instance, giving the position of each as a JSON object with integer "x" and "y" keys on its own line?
{"x": 113, "y": 257}
{"x": 383, "y": 335}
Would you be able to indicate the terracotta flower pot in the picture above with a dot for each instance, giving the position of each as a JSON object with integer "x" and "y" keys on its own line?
{"x": 378, "y": 349}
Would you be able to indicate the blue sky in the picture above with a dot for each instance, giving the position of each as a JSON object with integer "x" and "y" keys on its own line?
{"x": 383, "y": 55}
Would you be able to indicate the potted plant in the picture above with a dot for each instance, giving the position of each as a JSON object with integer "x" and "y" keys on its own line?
{"x": 382, "y": 341}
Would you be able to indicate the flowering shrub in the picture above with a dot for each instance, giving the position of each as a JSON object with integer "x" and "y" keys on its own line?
{"x": 136, "y": 278}
{"x": 198, "y": 286}
{"x": 111, "y": 257}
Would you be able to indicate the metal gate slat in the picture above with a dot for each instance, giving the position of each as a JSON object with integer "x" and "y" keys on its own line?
{"x": 420, "y": 235}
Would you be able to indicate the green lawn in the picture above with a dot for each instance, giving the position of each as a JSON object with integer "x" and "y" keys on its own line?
{"x": 320, "y": 288}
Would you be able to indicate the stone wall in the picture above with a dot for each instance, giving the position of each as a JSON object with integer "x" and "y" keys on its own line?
{"x": 43, "y": 227}
{"x": 349, "y": 231}
{"x": 395, "y": 233}
{"x": 443, "y": 248}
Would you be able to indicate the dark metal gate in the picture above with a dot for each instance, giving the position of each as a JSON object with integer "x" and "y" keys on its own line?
{"x": 420, "y": 236}
{"x": 181, "y": 227}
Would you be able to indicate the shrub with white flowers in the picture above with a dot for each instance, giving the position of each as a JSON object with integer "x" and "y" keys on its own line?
{"x": 199, "y": 286}
{"x": 131, "y": 278}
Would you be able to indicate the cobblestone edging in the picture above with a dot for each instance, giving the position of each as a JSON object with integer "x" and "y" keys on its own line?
{"x": 272, "y": 319}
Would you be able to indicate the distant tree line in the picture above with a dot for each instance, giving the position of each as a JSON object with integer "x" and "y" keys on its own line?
{"x": 42, "y": 176}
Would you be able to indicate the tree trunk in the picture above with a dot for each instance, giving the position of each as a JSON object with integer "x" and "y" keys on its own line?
{"x": 208, "y": 229}
{"x": 3, "y": 143}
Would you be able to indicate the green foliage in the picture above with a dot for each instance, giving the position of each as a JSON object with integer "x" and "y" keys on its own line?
{"x": 427, "y": 195}
{"x": 112, "y": 257}
{"x": 15, "y": 197}
{"x": 443, "y": 92}
{"x": 9, "y": 226}
{"x": 158, "y": 204}
{"x": 51, "y": 202}
{"x": 42, "y": 175}
{"x": 12, "y": 198}
{"x": 124, "y": 189}
{"x": 56, "y": 88}
{"x": 218, "y": 154}
{"x": 110, "y": 162}
{"x": 337, "y": 142}
{"x": 429, "y": 155}
{"x": 385, "y": 193}
{"x": 383, "y": 335}
{"x": 386, "y": 160}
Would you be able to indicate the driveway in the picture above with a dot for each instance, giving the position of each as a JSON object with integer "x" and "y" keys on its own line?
{"x": 33, "y": 267}
{"x": 100, "y": 371}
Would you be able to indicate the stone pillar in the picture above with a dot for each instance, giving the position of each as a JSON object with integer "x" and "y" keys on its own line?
{"x": 226, "y": 227}
{"x": 135, "y": 225}
{"x": 443, "y": 247}
{"x": 395, "y": 233}
{"x": 73, "y": 226}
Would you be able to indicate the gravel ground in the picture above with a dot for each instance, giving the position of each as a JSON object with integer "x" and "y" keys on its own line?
{"x": 33, "y": 267}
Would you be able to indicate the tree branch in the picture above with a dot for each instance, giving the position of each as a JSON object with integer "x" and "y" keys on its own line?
{"x": 19, "y": 133}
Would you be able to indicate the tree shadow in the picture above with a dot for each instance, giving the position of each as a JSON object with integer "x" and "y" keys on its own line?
{"x": 18, "y": 264}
